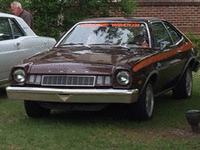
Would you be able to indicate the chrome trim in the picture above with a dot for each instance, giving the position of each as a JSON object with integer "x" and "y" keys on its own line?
{"x": 58, "y": 43}
{"x": 149, "y": 35}
{"x": 92, "y": 85}
{"x": 73, "y": 95}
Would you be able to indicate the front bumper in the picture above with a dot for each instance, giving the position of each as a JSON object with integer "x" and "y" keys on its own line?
{"x": 73, "y": 95}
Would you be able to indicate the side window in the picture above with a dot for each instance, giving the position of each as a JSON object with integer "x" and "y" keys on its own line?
{"x": 5, "y": 31}
{"x": 160, "y": 35}
{"x": 17, "y": 32}
{"x": 176, "y": 36}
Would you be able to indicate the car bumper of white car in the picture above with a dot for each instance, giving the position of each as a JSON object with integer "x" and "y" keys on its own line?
{"x": 73, "y": 95}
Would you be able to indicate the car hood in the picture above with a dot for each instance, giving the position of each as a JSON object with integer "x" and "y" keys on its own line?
{"x": 78, "y": 58}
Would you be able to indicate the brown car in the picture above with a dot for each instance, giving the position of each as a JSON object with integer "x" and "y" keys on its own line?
{"x": 107, "y": 61}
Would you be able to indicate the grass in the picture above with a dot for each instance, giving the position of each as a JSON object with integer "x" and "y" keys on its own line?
{"x": 108, "y": 130}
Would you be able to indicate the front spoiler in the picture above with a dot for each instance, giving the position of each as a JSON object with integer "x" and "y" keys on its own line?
{"x": 73, "y": 95}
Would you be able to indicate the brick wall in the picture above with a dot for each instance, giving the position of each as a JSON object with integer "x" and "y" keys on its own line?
{"x": 185, "y": 14}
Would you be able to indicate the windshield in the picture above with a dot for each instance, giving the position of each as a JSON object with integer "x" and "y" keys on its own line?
{"x": 128, "y": 34}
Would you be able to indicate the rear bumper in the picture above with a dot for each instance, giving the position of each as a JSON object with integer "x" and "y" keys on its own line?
{"x": 73, "y": 95}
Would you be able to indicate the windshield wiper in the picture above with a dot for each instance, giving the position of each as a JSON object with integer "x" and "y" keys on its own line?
{"x": 71, "y": 44}
{"x": 123, "y": 46}
{"x": 114, "y": 45}
{"x": 101, "y": 44}
{"x": 75, "y": 44}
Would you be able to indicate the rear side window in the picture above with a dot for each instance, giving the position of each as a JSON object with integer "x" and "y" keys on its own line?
{"x": 175, "y": 35}
{"x": 17, "y": 32}
{"x": 5, "y": 31}
{"x": 160, "y": 35}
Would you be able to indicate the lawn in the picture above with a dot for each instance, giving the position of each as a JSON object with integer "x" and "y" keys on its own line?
{"x": 108, "y": 129}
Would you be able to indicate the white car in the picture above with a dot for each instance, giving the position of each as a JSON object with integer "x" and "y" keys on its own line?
{"x": 18, "y": 42}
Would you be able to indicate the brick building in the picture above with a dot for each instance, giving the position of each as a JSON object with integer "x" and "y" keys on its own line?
{"x": 185, "y": 14}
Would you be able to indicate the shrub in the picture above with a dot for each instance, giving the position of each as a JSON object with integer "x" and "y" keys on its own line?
{"x": 54, "y": 17}
{"x": 195, "y": 39}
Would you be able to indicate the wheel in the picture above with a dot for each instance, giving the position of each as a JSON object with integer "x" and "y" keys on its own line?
{"x": 184, "y": 88}
{"x": 34, "y": 110}
{"x": 145, "y": 105}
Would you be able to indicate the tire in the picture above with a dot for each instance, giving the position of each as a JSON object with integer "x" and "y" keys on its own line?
{"x": 184, "y": 88}
{"x": 34, "y": 110}
{"x": 144, "y": 107}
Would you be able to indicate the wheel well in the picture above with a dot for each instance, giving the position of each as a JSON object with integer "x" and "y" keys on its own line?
{"x": 192, "y": 63}
{"x": 153, "y": 78}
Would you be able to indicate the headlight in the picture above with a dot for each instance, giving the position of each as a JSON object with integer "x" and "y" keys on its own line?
{"x": 19, "y": 75}
{"x": 123, "y": 77}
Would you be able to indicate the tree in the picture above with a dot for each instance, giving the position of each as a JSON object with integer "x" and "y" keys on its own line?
{"x": 46, "y": 16}
{"x": 52, "y": 17}
{"x": 4, "y": 5}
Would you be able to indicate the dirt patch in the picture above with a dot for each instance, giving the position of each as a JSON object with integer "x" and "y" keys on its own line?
{"x": 184, "y": 132}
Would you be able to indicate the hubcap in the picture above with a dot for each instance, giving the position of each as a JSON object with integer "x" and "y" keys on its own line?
{"x": 188, "y": 83}
{"x": 149, "y": 100}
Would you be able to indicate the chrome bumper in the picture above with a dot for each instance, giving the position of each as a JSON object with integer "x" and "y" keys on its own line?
{"x": 73, "y": 95}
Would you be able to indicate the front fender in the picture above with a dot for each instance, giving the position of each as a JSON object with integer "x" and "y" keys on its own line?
{"x": 151, "y": 77}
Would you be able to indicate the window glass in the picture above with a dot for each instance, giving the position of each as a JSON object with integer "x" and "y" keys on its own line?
{"x": 5, "y": 32}
{"x": 160, "y": 35}
{"x": 174, "y": 34}
{"x": 16, "y": 30}
{"x": 129, "y": 34}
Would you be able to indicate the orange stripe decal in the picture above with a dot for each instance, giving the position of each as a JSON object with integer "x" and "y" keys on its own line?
{"x": 95, "y": 25}
{"x": 125, "y": 25}
{"x": 161, "y": 56}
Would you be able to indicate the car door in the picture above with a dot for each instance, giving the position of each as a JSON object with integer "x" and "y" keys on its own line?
{"x": 8, "y": 47}
{"x": 168, "y": 59}
{"x": 178, "y": 43}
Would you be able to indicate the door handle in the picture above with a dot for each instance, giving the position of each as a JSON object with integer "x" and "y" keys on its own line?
{"x": 17, "y": 44}
{"x": 159, "y": 65}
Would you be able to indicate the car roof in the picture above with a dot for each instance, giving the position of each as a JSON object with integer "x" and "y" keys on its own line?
{"x": 8, "y": 15}
{"x": 122, "y": 19}
{"x": 22, "y": 23}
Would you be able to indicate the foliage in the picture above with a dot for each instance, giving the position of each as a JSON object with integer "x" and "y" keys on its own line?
{"x": 56, "y": 16}
{"x": 46, "y": 16}
{"x": 195, "y": 39}
{"x": 128, "y": 7}
{"x": 77, "y": 10}
{"x": 4, "y": 5}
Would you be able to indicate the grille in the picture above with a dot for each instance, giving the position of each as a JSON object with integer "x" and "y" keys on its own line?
{"x": 68, "y": 80}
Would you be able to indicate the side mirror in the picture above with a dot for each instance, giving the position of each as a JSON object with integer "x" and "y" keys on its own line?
{"x": 1, "y": 34}
{"x": 164, "y": 44}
